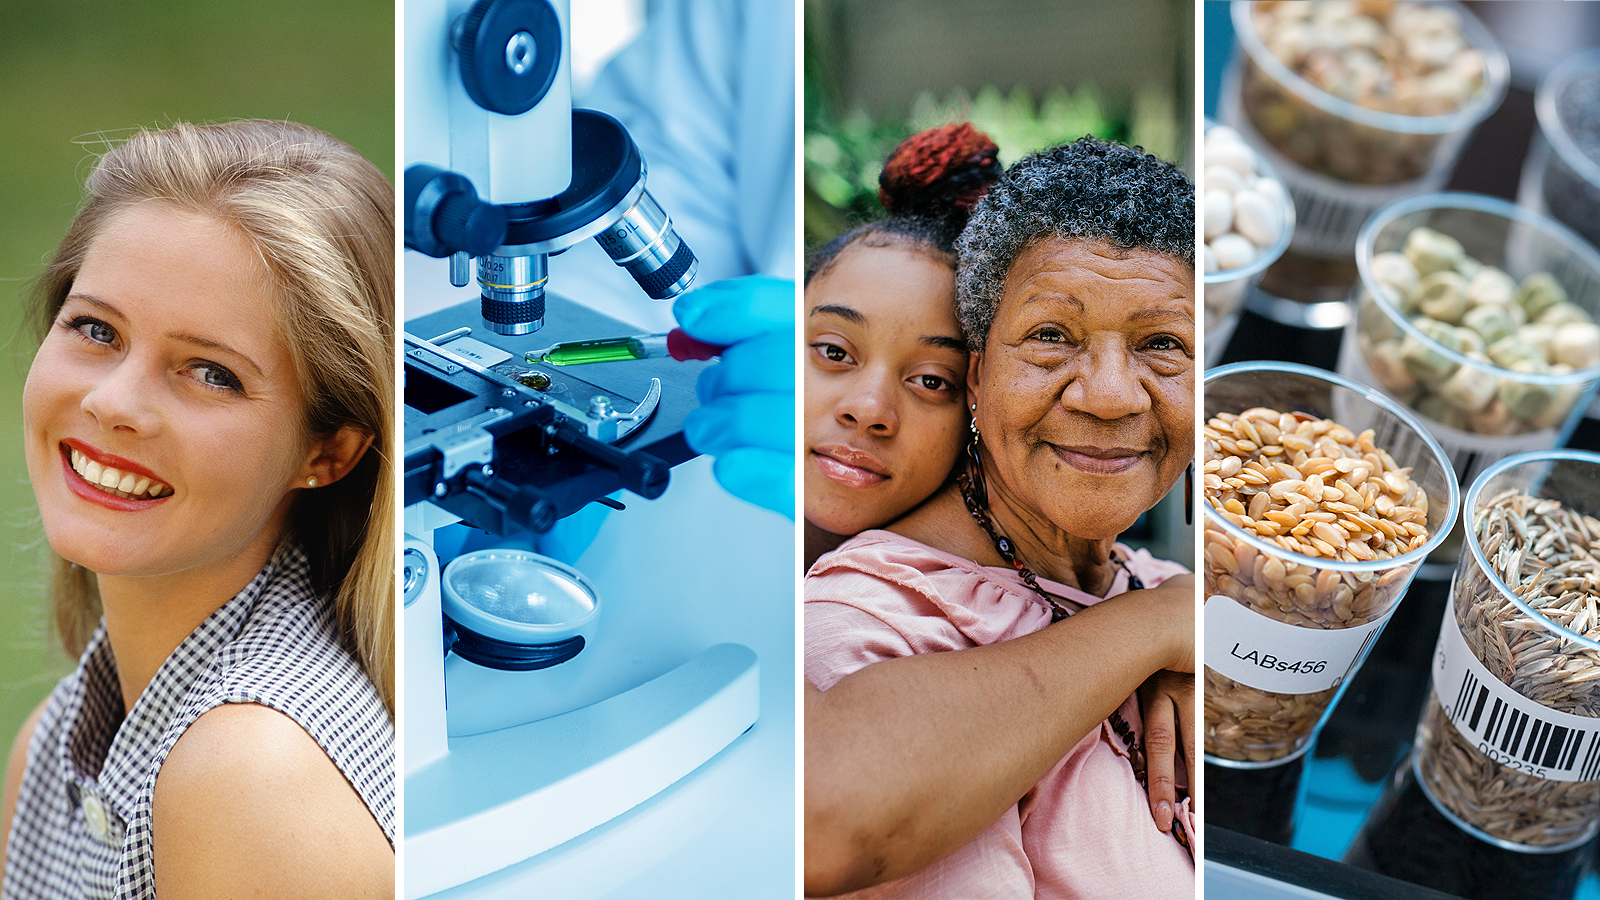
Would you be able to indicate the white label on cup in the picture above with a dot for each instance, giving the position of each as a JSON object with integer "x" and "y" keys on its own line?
{"x": 1275, "y": 656}
{"x": 1504, "y": 725}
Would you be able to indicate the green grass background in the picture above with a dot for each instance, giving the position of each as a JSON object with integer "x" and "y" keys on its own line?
{"x": 74, "y": 73}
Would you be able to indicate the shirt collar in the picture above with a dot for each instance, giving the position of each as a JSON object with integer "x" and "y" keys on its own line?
{"x": 114, "y": 755}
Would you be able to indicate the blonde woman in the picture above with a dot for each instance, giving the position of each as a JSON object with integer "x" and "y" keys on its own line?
{"x": 207, "y": 426}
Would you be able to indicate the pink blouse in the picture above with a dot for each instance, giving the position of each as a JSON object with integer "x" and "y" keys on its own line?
{"x": 1085, "y": 830}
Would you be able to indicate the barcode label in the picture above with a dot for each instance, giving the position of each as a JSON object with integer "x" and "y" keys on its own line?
{"x": 1504, "y": 725}
{"x": 1469, "y": 453}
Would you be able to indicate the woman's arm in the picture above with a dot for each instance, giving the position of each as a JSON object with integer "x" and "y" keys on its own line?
{"x": 909, "y": 759}
{"x": 247, "y": 805}
{"x": 16, "y": 763}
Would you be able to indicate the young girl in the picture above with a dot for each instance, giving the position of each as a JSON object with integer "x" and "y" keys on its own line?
{"x": 207, "y": 426}
{"x": 886, "y": 365}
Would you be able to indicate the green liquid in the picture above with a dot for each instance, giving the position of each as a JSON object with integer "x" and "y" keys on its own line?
{"x": 575, "y": 353}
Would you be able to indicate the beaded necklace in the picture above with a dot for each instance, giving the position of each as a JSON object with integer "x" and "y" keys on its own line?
{"x": 970, "y": 487}
{"x": 975, "y": 494}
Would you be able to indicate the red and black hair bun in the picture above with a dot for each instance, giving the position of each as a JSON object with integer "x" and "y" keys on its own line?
{"x": 939, "y": 172}
{"x": 928, "y": 186}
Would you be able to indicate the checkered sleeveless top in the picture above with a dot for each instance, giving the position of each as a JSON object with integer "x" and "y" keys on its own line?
{"x": 82, "y": 823}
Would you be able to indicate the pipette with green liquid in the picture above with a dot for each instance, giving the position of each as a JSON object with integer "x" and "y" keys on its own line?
{"x": 674, "y": 343}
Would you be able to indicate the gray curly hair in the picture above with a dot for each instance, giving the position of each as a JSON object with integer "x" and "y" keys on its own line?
{"x": 1091, "y": 190}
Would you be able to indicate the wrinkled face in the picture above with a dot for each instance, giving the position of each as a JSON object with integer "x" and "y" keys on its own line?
{"x": 1085, "y": 388}
{"x": 884, "y": 397}
{"x": 161, "y": 415}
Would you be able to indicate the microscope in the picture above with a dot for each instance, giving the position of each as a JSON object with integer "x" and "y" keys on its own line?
{"x": 503, "y": 173}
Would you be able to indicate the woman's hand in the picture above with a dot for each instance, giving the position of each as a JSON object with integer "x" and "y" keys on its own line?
{"x": 1166, "y": 703}
{"x": 1166, "y": 698}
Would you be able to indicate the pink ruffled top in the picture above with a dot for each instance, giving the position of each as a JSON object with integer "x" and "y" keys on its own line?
{"x": 1085, "y": 830}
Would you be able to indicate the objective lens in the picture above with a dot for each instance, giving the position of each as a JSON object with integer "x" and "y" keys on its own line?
{"x": 643, "y": 242}
{"x": 513, "y": 292}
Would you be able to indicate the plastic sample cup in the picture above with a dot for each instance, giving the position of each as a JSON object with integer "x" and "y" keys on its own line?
{"x": 1286, "y": 629}
{"x": 1341, "y": 159}
{"x": 1442, "y": 373}
{"x": 1509, "y": 744}
{"x": 1562, "y": 174}
{"x": 1226, "y": 288}
{"x": 1407, "y": 837}
{"x": 1343, "y": 139}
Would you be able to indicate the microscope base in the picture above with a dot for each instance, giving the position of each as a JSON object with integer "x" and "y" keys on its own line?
{"x": 502, "y": 797}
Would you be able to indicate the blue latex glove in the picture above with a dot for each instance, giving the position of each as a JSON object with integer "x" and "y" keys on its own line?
{"x": 746, "y": 414}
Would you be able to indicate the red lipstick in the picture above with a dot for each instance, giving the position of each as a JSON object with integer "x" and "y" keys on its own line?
{"x": 95, "y": 494}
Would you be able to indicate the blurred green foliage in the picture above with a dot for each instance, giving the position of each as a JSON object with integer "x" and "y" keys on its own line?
{"x": 77, "y": 74}
{"x": 845, "y": 148}
{"x": 843, "y": 158}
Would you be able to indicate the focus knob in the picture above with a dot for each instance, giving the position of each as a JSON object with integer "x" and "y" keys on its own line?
{"x": 523, "y": 505}
{"x": 469, "y": 224}
{"x": 510, "y": 50}
{"x": 444, "y": 215}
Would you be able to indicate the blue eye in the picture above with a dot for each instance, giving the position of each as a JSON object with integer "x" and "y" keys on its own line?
{"x": 92, "y": 330}
{"x": 213, "y": 375}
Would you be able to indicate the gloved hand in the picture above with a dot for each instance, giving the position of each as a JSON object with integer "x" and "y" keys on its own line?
{"x": 746, "y": 414}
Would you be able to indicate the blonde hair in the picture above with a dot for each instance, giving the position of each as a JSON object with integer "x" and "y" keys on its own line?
{"x": 322, "y": 218}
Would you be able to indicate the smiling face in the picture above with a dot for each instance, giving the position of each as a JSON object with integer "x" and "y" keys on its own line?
{"x": 162, "y": 417}
{"x": 885, "y": 406}
{"x": 1085, "y": 389}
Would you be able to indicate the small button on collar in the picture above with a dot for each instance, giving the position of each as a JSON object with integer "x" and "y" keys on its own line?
{"x": 100, "y": 819}
{"x": 94, "y": 815}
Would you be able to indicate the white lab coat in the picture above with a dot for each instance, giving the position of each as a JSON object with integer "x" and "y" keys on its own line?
{"x": 708, "y": 93}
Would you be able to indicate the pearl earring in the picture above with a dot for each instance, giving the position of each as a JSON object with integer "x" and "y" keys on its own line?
{"x": 312, "y": 481}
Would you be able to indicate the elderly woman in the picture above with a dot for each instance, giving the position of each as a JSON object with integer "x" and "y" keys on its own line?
{"x": 1077, "y": 299}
